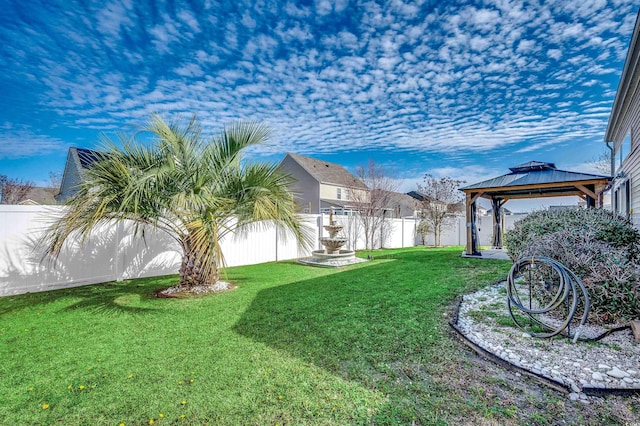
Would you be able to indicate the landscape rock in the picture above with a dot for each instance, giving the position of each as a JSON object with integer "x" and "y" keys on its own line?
{"x": 617, "y": 373}
{"x": 609, "y": 363}
{"x": 635, "y": 328}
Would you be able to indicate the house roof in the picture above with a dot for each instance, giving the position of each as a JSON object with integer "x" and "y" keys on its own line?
{"x": 326, "y": 172}
{"x": 533, "y": 173}
{"x": 405, "y": 202}
{"x": 37, "y": 195}
{"x": 399, "y": 197}
{"x": 416, "y": 195}
{"x": 88, "y": 156}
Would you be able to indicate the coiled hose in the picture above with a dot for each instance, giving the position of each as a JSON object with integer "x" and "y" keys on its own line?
{"x": 570, "y": 291}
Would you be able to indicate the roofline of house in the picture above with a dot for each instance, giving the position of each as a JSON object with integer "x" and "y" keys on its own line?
{"x": 64, "y": 173}
{"x": 321, "y": 181}
{"x": 622, "y": 98}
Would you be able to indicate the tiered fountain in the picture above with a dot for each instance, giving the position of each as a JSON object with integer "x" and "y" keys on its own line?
{"x": 332, "y": 255}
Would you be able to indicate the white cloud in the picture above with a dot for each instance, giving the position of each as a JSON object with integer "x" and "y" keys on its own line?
{"x": 474, "y": 79}
{"x": 24, "y": 143}
{"x": 554, "y": 53}
{"x": 525, "y": 46}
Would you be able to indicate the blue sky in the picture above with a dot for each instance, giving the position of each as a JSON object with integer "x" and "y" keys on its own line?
{"x": 458, "y": 88}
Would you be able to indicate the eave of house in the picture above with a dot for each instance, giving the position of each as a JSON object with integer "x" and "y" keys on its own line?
{"x": 626, "y": 88}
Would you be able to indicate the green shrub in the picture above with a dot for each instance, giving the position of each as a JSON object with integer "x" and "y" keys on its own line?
{"x": 598, "y": 246}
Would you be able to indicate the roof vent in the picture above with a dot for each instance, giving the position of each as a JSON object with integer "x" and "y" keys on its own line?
{"x": 532, "y": 166}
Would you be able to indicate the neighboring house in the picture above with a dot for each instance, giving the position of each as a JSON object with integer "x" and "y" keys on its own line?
{"x": 78, "y": 160}
{"x": 36, "y": 195}
{"x": 456, "y": 209}
{"x": 322, "y": 186}
{"x": 401, "y": 205}
{"x": 623, "y": 130}
{"x": 416, "y": 195}
{"x": 483, "y": 211}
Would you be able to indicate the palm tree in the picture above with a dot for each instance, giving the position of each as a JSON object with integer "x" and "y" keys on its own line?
{"x": 196, "y": 190}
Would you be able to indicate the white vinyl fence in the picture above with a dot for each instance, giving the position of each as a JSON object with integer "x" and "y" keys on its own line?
{"x": 113, "y": 253}
{"x": 456, "y": 233}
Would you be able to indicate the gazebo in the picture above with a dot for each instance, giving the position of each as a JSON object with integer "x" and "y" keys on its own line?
{"x": 534, "y": 179}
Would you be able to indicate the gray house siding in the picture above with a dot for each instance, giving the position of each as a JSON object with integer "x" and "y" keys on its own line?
{"x": 78, "y": 160}
{"x": 624, "y": 122}
{"x": 628, "y": 174}
{"x": 71, "y": 177}
{"x": 306, "y": 187}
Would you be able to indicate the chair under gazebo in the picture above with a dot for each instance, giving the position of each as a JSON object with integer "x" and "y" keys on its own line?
{"x": 534, "y": 179}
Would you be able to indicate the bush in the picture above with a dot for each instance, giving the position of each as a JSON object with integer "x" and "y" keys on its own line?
{"x": 598, "y": 246}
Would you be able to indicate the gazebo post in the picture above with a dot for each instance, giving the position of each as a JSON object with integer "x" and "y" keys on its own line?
{"x": 496, "y": 205}
{"x": 472, "y": 236}
{"x": 600, "y": 191}
{"x": 469, "y": 248}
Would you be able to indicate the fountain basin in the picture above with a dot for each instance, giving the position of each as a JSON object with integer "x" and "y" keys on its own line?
{"x": 333, "y": 228}
{"x": 333, "y": 245}
{"x": 332, "y": 260}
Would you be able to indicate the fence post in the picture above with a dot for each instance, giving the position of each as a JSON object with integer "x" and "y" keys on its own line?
{"x": 116, "y": 253}
{"x": 276, "y": 228}
{"x": 320, "y": 230}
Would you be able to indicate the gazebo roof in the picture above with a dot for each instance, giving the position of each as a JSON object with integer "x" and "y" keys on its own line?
{"x": 529, "y": 180}
{"x": 535, "y": 177}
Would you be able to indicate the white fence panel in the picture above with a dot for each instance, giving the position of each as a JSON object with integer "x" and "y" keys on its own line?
{"x": 411, "y": 237}
{"x": 352, "y": 229}
{"x": 113, "y": 253}
{"x": 249, "y": 248}
{"x": 153, "y": 255}
{"x": 392, "y": 233}
{"x": 455, "y": 234}
{"x": 288, "y": 248}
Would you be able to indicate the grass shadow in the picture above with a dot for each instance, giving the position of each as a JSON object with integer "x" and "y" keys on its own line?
{"x": 109, "y": 298}
{"x": 373, "y": 323}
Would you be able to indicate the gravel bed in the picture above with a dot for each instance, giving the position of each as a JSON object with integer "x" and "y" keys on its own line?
{"x": 611, "y": 363}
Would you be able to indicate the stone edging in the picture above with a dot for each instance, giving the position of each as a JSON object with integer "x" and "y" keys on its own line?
{"x": 558, "y": 386}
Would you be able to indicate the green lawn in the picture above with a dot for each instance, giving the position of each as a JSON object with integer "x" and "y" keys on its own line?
{"x": 291, "y": 345}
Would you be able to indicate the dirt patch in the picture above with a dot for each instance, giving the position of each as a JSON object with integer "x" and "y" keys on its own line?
{"x": 181, "y": 292}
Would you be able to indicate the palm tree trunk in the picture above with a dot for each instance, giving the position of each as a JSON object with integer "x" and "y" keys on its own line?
{"x": 193, "y": 271}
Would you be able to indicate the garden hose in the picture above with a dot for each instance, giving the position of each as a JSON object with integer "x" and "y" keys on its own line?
{"x": 569, "y": 293}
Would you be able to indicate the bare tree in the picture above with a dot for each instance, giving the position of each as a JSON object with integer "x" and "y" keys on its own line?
{"x": 55, "y": 179}
{"x": 373, "y": 204}
{"x": 441, "y": 201}
{"x": 13, "y": 191}
{"x": 602, "y": 162}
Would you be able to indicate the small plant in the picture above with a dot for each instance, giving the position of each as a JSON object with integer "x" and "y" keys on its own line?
{"x": 423, "y": 230}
